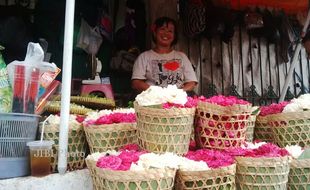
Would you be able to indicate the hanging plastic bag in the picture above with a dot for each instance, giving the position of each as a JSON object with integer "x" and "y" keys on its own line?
{"x": 25, "y": 76}
{"x": 89, "y": 39}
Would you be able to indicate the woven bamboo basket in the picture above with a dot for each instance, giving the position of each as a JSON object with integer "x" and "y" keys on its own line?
{"x": 101, "y": 138}
{"x": 91, "y": 102}
{"x": 54, "y": 108}
{"x": 299, "y": 176}
{"x": 220, "y": 127}
{"x": 249, "y": 135}
{"x": 77, "y": 146}
{"x": 214, "y": 179}
{"x": 164, "y": 130}
{"x": 262, "y": 173}
{"x": 262, "y": 130}
{"x": 153, "y": 179}
{"x": 291, "y": 128}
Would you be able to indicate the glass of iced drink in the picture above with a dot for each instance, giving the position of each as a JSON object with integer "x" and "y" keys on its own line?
{"x": 40, "y": 157}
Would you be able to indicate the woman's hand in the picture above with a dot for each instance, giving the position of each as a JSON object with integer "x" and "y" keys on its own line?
{"x": 139, "y": 85}
{"x": 189, "y": 86}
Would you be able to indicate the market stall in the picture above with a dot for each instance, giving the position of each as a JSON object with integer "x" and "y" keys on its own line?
{"x": 165, "y": 140}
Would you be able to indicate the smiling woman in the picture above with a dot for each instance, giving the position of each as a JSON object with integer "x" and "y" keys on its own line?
{"x": 162, "y": 65}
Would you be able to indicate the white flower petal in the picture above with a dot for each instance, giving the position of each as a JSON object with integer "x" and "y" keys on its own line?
{"x": 294, "y": 150}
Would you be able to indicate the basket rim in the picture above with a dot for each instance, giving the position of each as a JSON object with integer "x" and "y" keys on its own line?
{"x": 223, "y": 169}
{"x": 290, "y": 115}
{"x": 111, "y": 124}
{"x": 172, "y": 110}
{"x": 304, "y": 163}
{"x": 236, "y": 108}
{"x": 114, "y": 127}
{"x": 54, "y": 128}
{"x": 112, "y": 174}
{"x": 262, "y": 161}
{"x": 228, "y": 172}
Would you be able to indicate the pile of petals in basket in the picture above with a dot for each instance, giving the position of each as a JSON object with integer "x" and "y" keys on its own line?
{"x": 121, "y": 115}
{"x": 74, "y": 120}
{"x": 190, "y": 103}
{"x": 272, "y": 108}
{"x": 220, "y": 158}
{"x": 226, "y": 100}
{"x": 213, "y": 158}
{"x": 302, "y": 103}
{"x": 138, "y": 161}
{"x": 167, "y": 97}
{"x": 260, "y": 150}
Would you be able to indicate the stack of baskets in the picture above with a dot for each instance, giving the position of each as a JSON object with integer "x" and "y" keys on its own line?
{"x": 293, "y": 129}
{"x": 77, "y": 145}
{"x": 109, "y": 131}
{"x": 164, "y": 130}
{"x": 216, "y": 127}
{"x": 101, "y": 138}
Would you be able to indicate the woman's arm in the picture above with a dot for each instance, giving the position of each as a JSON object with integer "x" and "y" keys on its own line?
{"x": 189, "y": 74}
{"x": 139, "y": 85}
{"x": 138, "y": 78}
{"x": 189, "y": 86}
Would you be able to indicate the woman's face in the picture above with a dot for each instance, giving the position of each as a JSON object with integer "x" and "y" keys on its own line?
{"x": 164, "y": 35}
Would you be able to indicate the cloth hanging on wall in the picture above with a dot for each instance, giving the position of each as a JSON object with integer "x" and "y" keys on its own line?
{"x": 130, "y": 29}
{"x": 289, "y": 6}
{"x": 193, "y": 14}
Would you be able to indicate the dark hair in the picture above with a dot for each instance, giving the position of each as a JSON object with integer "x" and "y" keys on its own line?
{"x": 161, "y": 21}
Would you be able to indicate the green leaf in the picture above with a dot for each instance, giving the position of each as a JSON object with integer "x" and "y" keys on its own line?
{"x": 305, "y": 154}
{"x": 255, "y": 110}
